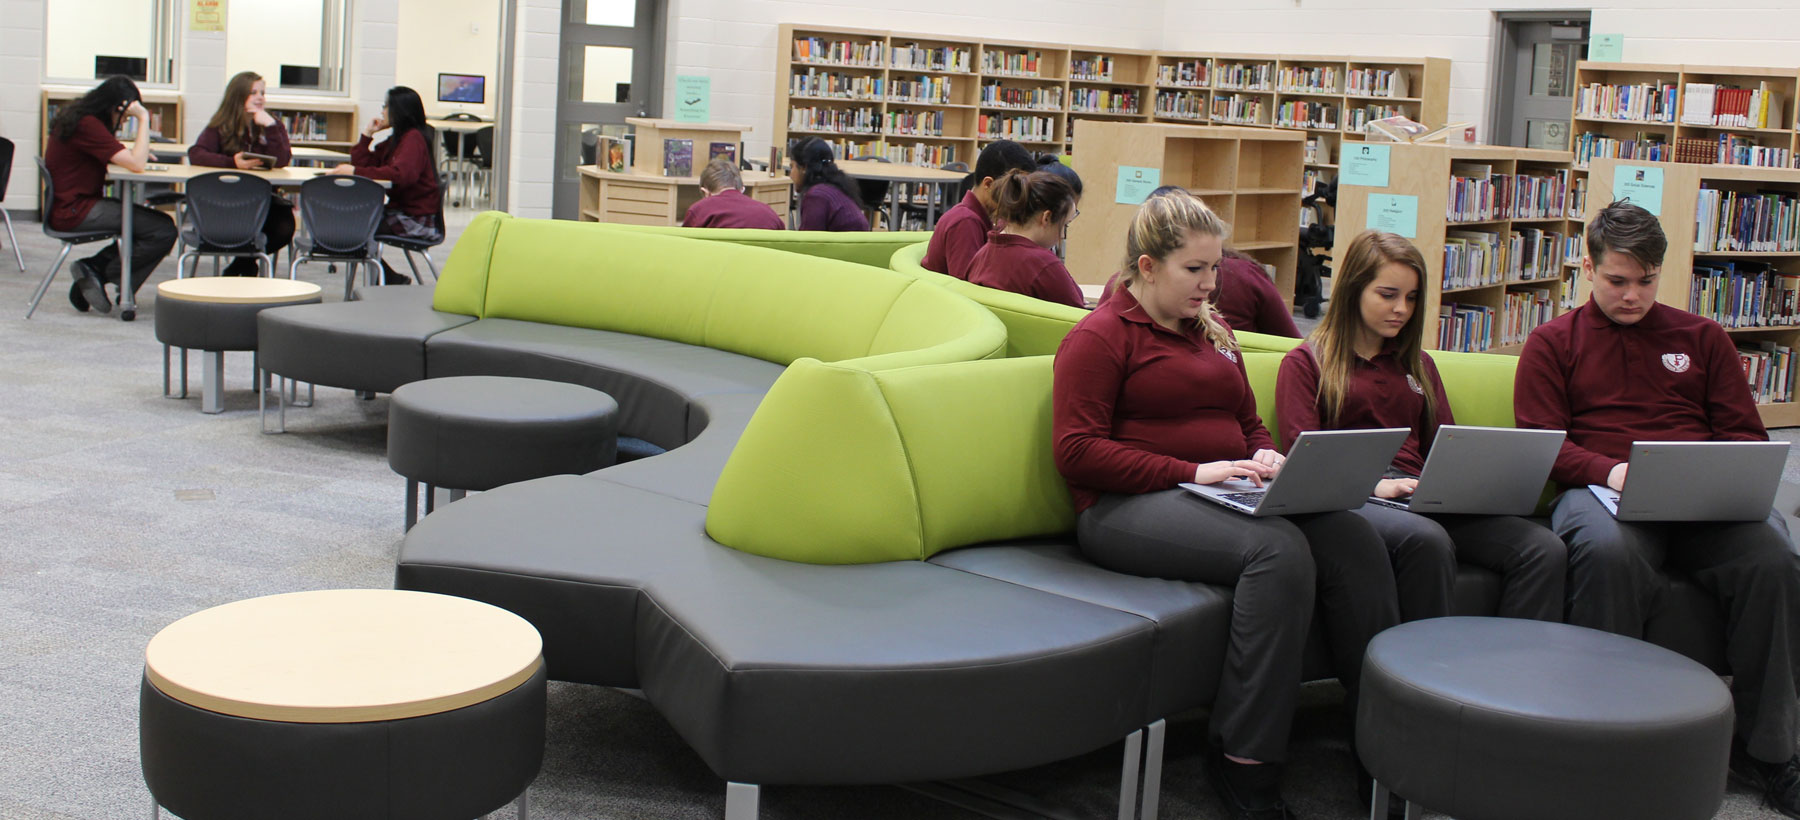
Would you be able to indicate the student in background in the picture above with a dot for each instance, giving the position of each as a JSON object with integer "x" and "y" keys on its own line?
{"x": 408, "y": 159}
{"x": 725, "y": 205}
{"x": 240, "y": 127}
{"x": 963, "y": 229}
{"x": 1623, "y": 368}
{"x": 1364, "y": 367}
{"x": 80, "y": 147}
{"x": 1035, "y": 208}
{"x": 829, "y": 200}
{"x": 1150, "y": 392}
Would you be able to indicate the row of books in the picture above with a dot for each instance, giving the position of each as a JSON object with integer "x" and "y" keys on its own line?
{"x": 1309, "y": 80}
{"x": 1465, "y": 328}
{"x": 1644, "y": 102}
{"x": 1731, "y": 107}
{"x": 932, "y": 58}
{"x": 918, "y": 153}
{"x": 1018, "y": 127}
{"x": 838, "y": 52}
{"x": 1245, "y": 76}
{"x": 1237, "y": 108}
{"x": 1097, "y": 67}
{"x": 1194, "y": 73}
{"x": 1378, "y": 82}
{"x": 1020, "y": 64}
{"x": 915, "y": 123}
{"x": 1181, "y": 104}
{"x": 1575, "y": 244}
{"x": 1477, "y": 194}
{"x": 1745, "y": 294}
{"x": 1746, "y": 222}
{"x": 1049, "y": 98}
{"x": 1317, "y": 150}
{"x": 1769, "y": 369}
{"x": 1737, "y": 149}
{"x": 816, "y": 83}
{"x": 1481, "y": 258}
{"x": 834, "y": 120}
{"x": 1102, "y": 100}
{"x": 1643, "y": 146}
{"x": 1307, "y": 114}
{"x": 1522, "y": 311}
{"x": 301, "y": 125}
{"x": 920, "y": 89}
{"x": 1357, "y": 120}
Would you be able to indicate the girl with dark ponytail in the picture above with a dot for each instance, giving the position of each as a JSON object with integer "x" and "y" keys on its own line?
{"x": 1034, "y": 207}
{"x": 829, "y": 200}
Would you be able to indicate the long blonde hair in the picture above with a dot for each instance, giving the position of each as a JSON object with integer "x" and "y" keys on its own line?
{"x": 1334, "y": 340}
{"x": 1161, "y": 226}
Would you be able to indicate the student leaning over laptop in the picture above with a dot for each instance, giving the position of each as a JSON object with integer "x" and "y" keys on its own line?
{"x": 1363, "y": 368}
{"x": 1150, "y": 392}
{"x": 1623, "y": 368}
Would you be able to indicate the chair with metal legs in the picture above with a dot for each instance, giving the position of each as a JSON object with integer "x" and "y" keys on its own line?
{"x": 225, "y": 215}
{"x": 341, "y": 214}
{"x": 69, "y": 239}
{"x": 6, "y": 160}
{"x": 409, "y": 246}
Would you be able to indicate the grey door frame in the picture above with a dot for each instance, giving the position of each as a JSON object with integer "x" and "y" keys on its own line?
{"x": 647, "y": 39}
{"x": 1501, "y": 73}
{"x": 503, "y": 115}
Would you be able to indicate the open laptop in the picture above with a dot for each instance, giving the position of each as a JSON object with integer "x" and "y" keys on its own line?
{"x": 1698, "y": 481}
{"x": 1483, "y": 471}
{"x": 1326, "y": 471}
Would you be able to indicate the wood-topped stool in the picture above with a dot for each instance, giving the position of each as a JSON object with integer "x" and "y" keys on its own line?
{"x": 353, "y": 703}
{"x": 214, "y": 314}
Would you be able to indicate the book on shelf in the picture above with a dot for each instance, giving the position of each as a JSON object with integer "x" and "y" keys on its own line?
{"x": 1103, "y": 100}
{"x": 723, "y": 150}
{"x": 816, "y": 83}
{"x": 1191, "y": 73}
{"x": 613, "y": 154}
{"x": 1465, "y": 328}
{"x": 1098, "y": 67}
{"x": 304, "y": 126}
{"x": 1744, "y": 295}
{"x": 1537, "y": 195}
{"x": 1522, "y": 312}
{"x": 1245, "y": 76}
{"x": 1733, "y": 221}
{"x": 1643, "y": 102}
{"x": 1574, "y": 247}
{"x": 923, "y": 88}
{"x": 1185, "y": 105}
{"x": 915, "y": 123}
{"x": 1697, "y": 104}
{"x": 1737, "y": 149}
{"x": 1644, "y": 145}
{"x": 1708, "y": 104}
{"x": 1307, "y": 114}
{"x": 1476, "y": 193}
{"x": 1378, "y": 82}
{"x": 919, "y": 153}
{"x": 1769, "y": 368}
{"x": 1358, "y": 118}
{"x": 1473, "y": 259}
{"x": 1308, "y": 79}
{"x": 1540, "y": 254}
{"x": 1016, "y": 64}
{"x": 1021, "y": 127}
{"x": 1040, "y": 98}
{"x": 1237, "y": 108}
{"x": 931, "y": 58}
{"x": 861, "y": 120}
{"x": 678, "y": 157}
{"x": 840, "y": 52}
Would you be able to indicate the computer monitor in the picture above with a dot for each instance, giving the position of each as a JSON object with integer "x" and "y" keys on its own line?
{"x": 299, "y": 76}
{"x": 462, "y": 88}
{"x": 137, "y": 68}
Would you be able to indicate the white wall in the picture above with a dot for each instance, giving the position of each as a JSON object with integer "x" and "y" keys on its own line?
{"x": 21, "y": 78}
{"x": 536, "y": 47}
{"x": 264, "y": 35}
{"x": 84, "y": 28}
{"x": 452, "y": 37}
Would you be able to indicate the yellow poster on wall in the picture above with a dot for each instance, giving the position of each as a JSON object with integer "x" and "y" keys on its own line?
{"x": 206, "y": 15}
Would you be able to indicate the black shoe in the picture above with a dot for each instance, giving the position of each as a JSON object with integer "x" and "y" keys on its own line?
{"x": 1249, "y": 792}
{"x": 1779, "y": 782}
{"x": 389, "y": 276}
{"x": 75, "y": 297}
{"x": 92, "y": 291}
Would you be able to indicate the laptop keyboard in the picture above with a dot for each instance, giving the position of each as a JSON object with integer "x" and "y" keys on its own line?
{"x": 1246, "y": 499}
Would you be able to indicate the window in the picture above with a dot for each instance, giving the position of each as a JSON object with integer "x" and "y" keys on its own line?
{"x": 296, "y": 45}
{"x": 86, "y": 40}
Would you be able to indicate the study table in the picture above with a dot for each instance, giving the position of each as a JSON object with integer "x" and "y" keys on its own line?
{"x": 177, "y": 152}
{"x": 905, "y": 175}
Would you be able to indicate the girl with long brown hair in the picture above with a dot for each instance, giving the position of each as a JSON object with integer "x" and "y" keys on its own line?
{"x": 241, "y": 127}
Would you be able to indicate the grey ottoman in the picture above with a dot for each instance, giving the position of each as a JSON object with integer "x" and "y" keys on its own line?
{"x": 216, "y": 314}
{"x": 480, "y": 432}
{"x": 1501, "y": 719}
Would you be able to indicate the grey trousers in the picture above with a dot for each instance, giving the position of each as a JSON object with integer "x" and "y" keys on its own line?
{"x": 1531, "y": 560}
{"x": 1277, "y": 567}
{"x": 1751, "y": 567}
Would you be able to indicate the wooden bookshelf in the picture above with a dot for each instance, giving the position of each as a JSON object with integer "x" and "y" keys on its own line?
{"x": 1250, "y": 176}
{"x": 316, "y": 121}
{"x": 1428, "y": 173}
{"x": 1591, "y": 122}
{"x": 1682, "y": 186}
{"x": 165, "y": 111}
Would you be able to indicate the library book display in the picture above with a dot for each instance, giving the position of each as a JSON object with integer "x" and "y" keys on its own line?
{"x": 657, "y": 184}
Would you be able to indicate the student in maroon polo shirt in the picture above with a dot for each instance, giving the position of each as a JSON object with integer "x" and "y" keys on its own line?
{"x": 408, "y": 160}
{"x": 829, "y": 200}
{"x": 241, "y": 126}
{"x": 1364, "y": 367}
{"x": 725, "y": 205}
{"x": 1150, "y": 392}
{"x": 1035, "y": 207}
{"x": 1624, "y": 368}
{"x": 964, "y": 228}
{"x": 81, "y": 145}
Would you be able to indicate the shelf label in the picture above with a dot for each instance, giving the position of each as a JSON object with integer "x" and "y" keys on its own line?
{"x": 1606, "y": 48}
{"x": 1135, "y": 184}
{"x": 1641, "y": 184}
{"x": 1394, "y": 213}
{"x": 1363, "y": 165}
{"x": 693, "y": 98}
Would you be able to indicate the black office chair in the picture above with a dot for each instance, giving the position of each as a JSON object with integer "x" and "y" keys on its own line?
{"x": 225, "y": 215}
{"x": 342, "y": 214}
{"x": 69, "y": 238}
{"x": 409, "y": 246}
{"x": 6, "y": 158}
{"x": 481, "y": 157}
{"x": 874, "y": 192}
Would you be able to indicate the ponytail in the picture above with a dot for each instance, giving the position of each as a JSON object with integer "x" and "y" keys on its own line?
{"x": 1019, "y": 196}
{"x": 819, "y": 165}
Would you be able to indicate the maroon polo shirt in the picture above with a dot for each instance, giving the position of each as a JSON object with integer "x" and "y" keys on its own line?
{"x": 1245, "y": 299}
{"x": 1673, "y": 376}
{"x": 960, "y": 232}
{"x": 731, "y": 209}
{"x": 1138, "y": 408}
{"x": 825, "y": 208}
{"x": 404, "y": 160}
{"x": 209, "y": 148}
{"x": 1380, "y": 394}
{"x": 1012, "y": 262}
{"x": 77, "y": 168}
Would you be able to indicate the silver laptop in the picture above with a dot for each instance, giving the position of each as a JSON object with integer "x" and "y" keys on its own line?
{"x": 1326, "y": 471}
{"x": 1698, "y": 481}
{"x": 1483, "y": 471}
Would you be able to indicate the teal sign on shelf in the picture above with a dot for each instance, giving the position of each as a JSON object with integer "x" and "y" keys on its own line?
{"x": 1641, "y": 184}
{"x": 1606, "y": 48}
{"x": 1363, "y": 164}
{"x": 1135, "y": 184}
{"x": 693, "y": 98}
{"x": 1394, "y": 213}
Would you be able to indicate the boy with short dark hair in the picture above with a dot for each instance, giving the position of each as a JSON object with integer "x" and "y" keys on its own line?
{"x": 964, "y": 228}
{"x": 1623, "y": 368}
{"x": 725, "y": 205}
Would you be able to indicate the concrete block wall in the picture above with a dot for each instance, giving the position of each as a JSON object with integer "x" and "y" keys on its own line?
{"x": 21, "y": 88}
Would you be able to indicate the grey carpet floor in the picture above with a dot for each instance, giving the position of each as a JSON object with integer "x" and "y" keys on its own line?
{"x": 121, "y": 511}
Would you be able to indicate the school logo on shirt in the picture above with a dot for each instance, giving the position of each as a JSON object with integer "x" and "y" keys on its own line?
{"x": 1229, "y": 354}
{"x": 1676, "y": 362}
{"x": 1414, "y": 384}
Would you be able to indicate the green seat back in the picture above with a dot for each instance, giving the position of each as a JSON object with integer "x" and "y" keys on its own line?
{"x": 862, "y": 247}
{"x": 1034, "y": 327}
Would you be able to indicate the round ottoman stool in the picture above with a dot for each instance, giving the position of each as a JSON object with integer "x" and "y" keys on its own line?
{"x": 215, "y": 314}
{"x": 480, "y": 432}
{"x": 1504, "y": 719}
{"x": 351, "y": 703}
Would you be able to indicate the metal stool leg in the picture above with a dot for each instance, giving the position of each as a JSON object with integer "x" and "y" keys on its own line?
{"x": 430, "y": 499}
{"x": 212, "y": 381}
{"x": 524, "y": 803}
{"x": 412, "y": 503}
{"x": 741, "y": 800}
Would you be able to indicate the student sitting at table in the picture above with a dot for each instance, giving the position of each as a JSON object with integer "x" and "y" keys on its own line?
{"x": 408, "y": 160}
{"x": 829, "y": 200}
{"x": 1035, "y": 207}
{"x": 963, "y": 229}
{"x": 725, "y": 205}
{"x": 241, "y": 127}
{"x": 80, "y": 146}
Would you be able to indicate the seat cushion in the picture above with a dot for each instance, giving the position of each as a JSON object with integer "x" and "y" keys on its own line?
{"x": 375, "y": 346}
{"x": 481, "y": 432}
{"x": 213, "y": 325}
{"x": 689, "y": 472}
